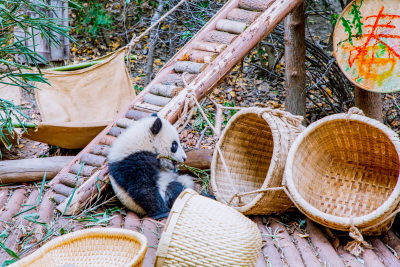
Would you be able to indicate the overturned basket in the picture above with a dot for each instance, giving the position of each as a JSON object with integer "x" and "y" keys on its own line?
{"x": 254, "y": 146}
{"x": 203, "y": 232}
{"x": 92, "y": 247}
{"x": 343, "y": 171}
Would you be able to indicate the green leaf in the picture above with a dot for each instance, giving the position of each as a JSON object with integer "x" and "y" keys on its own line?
{"x": 127, "y": 2}
{"x": 9, "y": 251}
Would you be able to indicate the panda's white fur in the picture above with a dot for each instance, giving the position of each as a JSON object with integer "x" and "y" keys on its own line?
{"x": 142, "y": 178}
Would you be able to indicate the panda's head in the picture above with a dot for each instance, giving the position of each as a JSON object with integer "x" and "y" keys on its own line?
{"x": 151, "y": 134}
{"x": 166, "y": 140}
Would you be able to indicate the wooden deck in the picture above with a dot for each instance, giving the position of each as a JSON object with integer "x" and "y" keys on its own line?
{"x": 289, "y": 240}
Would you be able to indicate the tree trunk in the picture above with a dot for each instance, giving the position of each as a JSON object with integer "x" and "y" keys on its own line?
{"x": 295, "y": 50}
{"x": 153, "y": 43}
{"x": 369, "y": 102}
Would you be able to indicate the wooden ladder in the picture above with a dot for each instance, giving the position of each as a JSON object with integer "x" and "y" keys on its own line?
{"x": 223, "y": 42}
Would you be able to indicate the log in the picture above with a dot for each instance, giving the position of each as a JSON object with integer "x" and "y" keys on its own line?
{"x": 292, "y": 255}
{"x": 87, "y": 171}
{"x": 371, "y": 259}
{"x": 188, "y": 66}
{"x": 176, "y": 79}
{"x": 136, "y": 114}
{"x": 156, "y": 100}
{"x": 14, "y": 236}
{"x": 93, "y": 160}
{"x": 295, "y": 58}
{"x": 132, "y": 222}
{"x": 71, "y": 180}
{"x": 391, "y": 239}
{"x": 243, "y": 15}
{"x": 148, "y": 107}
{"x": 257, "y": 5}
{"x": 220, "y": 37}
{"x": 200, "y": 159}
{"x": 349, "y": 259}
{"x": 59, "y": 198}
{"x": 322, "y": 246}
{"x": 125, "y": 123}
{"x": 101, "y": 150}
{"x": 63, "y": 189}
{"x": 150, "y": 230}
{"x": 200, "y": 56}
{"x": 12, "y": 207}
{"x": 107, "y": 140}
{"x": 270, "y": 252}
{"x": 209, "y": 46}
{"x": 384, "y": 253}
{"x": 30, "y": 170}
{"x": 369, "y": 102}
{"x": 85, "y": 193}
{"x": 231, "y": 26}
{"x": 307, "y": 253}
{"x": 115, "y": 131}
{"x": 165, "y": 90}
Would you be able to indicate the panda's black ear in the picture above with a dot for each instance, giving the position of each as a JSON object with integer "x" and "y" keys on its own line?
{"x": 156, "y": 127}
{"x": 154, "y": 115}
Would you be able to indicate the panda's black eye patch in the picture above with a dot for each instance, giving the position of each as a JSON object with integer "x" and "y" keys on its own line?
{"x": 174, "y": 147}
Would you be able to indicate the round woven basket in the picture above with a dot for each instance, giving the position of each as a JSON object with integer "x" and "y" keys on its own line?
{"x": 343, "y": 171}
{"x": 91, "y": 247}
{"x": 254, "y": 147}
{"x": 203, "y": 232}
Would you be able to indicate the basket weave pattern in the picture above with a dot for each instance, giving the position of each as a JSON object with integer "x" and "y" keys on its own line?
{"x": 203, "y": 232}
{"x": 343, "y": 172}
{"x": 93, "y": 247}
{"x": 255, "y": 145}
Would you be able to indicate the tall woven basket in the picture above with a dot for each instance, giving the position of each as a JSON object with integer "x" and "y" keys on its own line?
{"x": 254, "y": 146}
{"x": 342, "y": 172}
{"x": 90, "y": 248}
{"x": 203, "y": 232}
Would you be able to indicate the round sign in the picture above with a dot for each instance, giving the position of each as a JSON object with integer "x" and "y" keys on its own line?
{"x": 366, "y": 44}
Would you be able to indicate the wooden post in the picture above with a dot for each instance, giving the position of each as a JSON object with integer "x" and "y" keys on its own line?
{"x": 369, "y": 102}
{"x": 295, "y": 51}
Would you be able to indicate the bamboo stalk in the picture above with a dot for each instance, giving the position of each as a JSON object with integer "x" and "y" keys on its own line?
{"x": 82, "y": 65}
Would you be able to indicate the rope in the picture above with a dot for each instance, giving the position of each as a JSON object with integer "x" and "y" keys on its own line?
{"x": 352, "y": 111}
{"x": 356, "y": 247}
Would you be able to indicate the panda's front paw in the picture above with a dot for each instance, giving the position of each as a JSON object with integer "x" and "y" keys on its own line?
{"x": 168, "y": 165}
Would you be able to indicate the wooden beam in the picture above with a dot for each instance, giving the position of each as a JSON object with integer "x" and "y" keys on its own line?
{"x": 295, "y": 52}
{"x": 30, "y": 170}
{"x": 369, "y": 102}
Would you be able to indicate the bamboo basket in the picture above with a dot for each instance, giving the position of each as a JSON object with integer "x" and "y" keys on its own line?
{"x": 203, "y": 232}
{"x": 342, "y": 172}
{"x": 91, "y": 247}
{"x": 254, "y": 145}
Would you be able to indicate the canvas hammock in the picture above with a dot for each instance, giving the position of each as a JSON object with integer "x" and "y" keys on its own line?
{"x": 77, "y": 105}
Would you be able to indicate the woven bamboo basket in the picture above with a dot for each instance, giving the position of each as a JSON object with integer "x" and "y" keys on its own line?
{"x": 342, "y": 172}
{"x": 203, "y": 232}
{"x": 254, "y": 147}
{"x": 91, "y": 247}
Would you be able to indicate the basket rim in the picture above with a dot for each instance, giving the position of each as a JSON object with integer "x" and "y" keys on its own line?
{"x": 259, "y": 112}
{"x": 175, "y": 213}
{"x": 81, "y": 234}
{"x": 303, "y": 205}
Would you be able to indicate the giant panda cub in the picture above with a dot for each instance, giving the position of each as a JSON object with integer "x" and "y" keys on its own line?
{"x": 142, "y": 178}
